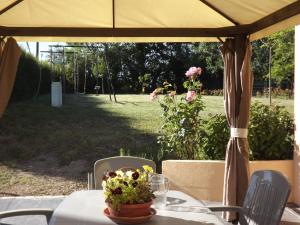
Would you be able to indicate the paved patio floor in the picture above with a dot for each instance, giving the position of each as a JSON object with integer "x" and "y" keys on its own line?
{"x": 291, "y": 214}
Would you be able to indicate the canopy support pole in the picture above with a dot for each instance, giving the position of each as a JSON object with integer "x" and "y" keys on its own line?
{"x": 64, "y": 71}
{"x": 85, "y": 72}
{"x": 237, "y": 97}
{"x": 297, "y": 118}
{"x": 10, "y": 6}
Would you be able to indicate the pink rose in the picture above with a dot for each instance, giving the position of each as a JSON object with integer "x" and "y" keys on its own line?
{"x": 172, "y": 93}
{"x": 193, "y": 71}
{"x": 190, "y": 96}
{"x": 153, "y": 95}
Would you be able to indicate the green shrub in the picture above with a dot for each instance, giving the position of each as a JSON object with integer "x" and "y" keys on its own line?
{"x": 279, "y": 93}
{"x": 216, "y": 92}
{"x": 28, "y": 77}
{"x": 215, "y": 136}
{"x": 271, "y": 132}
{"x": 270, "y": 135}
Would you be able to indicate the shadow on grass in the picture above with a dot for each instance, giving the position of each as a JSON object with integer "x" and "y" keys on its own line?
{"x": 65, "y": 141}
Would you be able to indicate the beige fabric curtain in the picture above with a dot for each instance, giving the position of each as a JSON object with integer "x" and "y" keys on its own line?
{"x": 237, "y": 97}
{"x": 9, "y": 59}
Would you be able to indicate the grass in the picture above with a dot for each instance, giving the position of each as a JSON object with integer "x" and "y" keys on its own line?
{"x": 89, "y": 127}
{"x": 39, "y": 141}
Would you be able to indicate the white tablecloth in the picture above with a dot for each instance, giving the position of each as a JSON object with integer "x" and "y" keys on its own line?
{"x": 86, "y": 208}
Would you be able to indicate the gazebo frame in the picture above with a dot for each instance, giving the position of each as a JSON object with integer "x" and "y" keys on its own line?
{"x": 239, "y": 32}
{"x": 231, "y": 31}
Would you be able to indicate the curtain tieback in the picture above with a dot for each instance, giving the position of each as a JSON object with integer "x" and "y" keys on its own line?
{"x": 238, "y": 132}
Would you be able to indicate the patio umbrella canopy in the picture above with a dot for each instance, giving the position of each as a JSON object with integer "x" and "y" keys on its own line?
{"x": 144, "y": 20}
{"x": 167, "y": 21}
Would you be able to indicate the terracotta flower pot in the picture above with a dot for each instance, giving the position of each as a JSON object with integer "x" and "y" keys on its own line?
{"x": 132, "y": 210}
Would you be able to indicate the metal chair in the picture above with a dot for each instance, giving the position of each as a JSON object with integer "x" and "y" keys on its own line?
{"x": 110, "y": 164}
{"x": 265, "y": 199}
{"x": 26, "y": 212}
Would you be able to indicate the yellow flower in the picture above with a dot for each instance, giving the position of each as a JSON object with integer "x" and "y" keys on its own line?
{"x": 104, "y": 184}
{"x": 120, "y": 173}
{"x": 148, "y": 169}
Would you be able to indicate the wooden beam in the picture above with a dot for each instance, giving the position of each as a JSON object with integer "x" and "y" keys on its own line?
{"x": 230, "y": 31}
{"x": 113, "y": 12}
{"x": 220, "y": 40}
{"x": 276, "y": 17}
{"x": 219, "y": 12}
{"x": 13, "y": 4}
{"x": 124, "y": 32}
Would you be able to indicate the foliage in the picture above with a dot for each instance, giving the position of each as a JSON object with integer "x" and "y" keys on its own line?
{"x": 283, "y": 57}
{"x": 129, "y": 187}
{"x": 215, "y": 92}
{"x": 282, "y": 44}
{"x": 30, "y": 73}
{"x": 129, "y": 62}
{"x": 188, "y": 135}
{"x": 144, "y": 82}
{"x": 260, "y": 60}
{"x": 180, "y": 132}
{"x": 276, "y": 93}
{"x": 270, "y": 132}
{"x": 215, "y": 137}
{"x": 210, "y": 57}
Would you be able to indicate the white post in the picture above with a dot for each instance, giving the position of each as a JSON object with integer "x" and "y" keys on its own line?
{"x": 56, "y": 94}
{"x": 297, "y": 117}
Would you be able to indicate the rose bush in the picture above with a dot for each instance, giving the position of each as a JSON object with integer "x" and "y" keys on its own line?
{"x": 181, "y": 129}
{"x": 186, "y": 134}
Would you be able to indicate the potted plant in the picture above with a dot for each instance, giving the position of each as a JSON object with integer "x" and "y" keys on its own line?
{"x": 128, "y": 193}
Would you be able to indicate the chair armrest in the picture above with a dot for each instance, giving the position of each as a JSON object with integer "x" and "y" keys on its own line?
{"x": 239, "y": 210}
{"x": 23, "y": 212}
{"x": 225, "y": 208}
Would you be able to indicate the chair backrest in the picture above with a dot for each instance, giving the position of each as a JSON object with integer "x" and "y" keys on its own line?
{"x": 266, "y": 198}
{"x": 110, "y": 164}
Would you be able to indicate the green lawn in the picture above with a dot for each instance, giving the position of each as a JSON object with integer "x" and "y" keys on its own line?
{"x": 45, "y": 145}
{"x": 88, "y": 126}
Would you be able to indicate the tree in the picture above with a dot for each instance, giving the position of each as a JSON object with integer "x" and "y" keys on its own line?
{"x": 210, "y": 59}
{"x": 283, "y": 57}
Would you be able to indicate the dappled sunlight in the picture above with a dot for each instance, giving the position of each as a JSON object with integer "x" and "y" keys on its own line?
{"x": 63, "y": 143}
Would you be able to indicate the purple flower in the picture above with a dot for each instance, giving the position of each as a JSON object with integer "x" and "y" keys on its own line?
{"x": 112, "y": 174}
{"x": 117, "y": 191}
{"x": 104, "y": 178}
{"x": 135, "y": 175}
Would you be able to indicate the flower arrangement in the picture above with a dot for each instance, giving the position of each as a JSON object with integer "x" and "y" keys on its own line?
{"x": 181, "y": 129}
{"x": 127, "y": 187}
